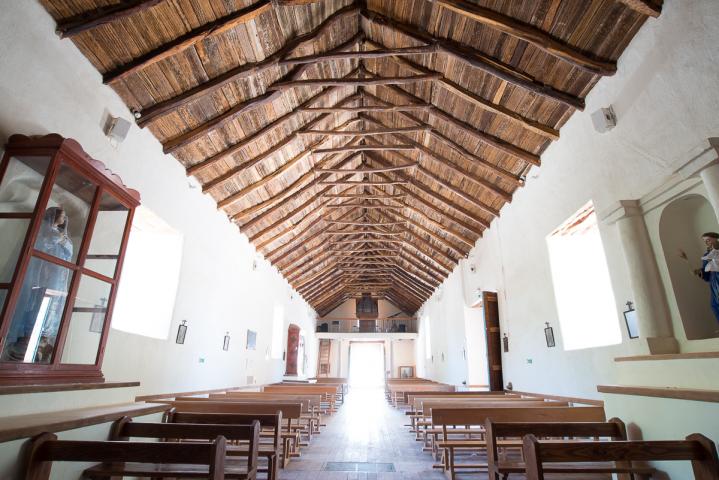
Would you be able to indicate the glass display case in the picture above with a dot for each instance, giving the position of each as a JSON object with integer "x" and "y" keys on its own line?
{"x": 64, "y": 225}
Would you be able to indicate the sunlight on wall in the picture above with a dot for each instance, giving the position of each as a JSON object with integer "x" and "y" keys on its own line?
{"x": 582, "y": 289}
{"x": 278, "y": 321}
{"x": 150, "y": 276}
{"x": 427, "y": 338}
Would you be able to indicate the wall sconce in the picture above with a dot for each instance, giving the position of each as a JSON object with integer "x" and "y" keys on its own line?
{"x": 505, "y": 343}
{"x": 443, "y": 356}
{"x": 630, "y": 318}
{"x": 181, "y": 332}
{"x": 549, "y": 335}
{"x": 226, "y": 342}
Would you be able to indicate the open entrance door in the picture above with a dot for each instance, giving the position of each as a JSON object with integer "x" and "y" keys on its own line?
{"x": 366, "y": 367}
{"x": 293, "y": 347}
{"x": 494, "y": 352}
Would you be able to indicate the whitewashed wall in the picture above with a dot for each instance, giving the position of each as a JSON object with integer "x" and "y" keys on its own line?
{"x": 47, "y": 86}
{"x": 666, "y": 97}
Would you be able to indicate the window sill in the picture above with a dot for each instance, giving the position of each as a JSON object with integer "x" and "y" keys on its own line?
{"x": 668, "y": 356}
{"x": 24, "y": 426}
{"x": 662, "y": 392}
{"x": 62, "y": 387}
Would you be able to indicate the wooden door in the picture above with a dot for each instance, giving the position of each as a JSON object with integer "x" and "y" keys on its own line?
{"x": 494, "y": 342}
{"x": 293, "y": 346}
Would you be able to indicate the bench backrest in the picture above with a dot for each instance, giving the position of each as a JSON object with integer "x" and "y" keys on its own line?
{"x": 432, "y": 393}
{"x": 290, "y": 411}
{"x": 273, "y": 421}
{"x": 305, "y": 403}
{"x": 544, "y": 413}
{"x": 613, "y": 429}
{"x": 314, "y": 400}
{"x": 46, "y": 448}
{"x": 696, "y": 448}
{"x": 431, "y": 408}
{"x": 124, "y": 429}
{"x": 324, "y": 389}
{"x": 424, "y": 404}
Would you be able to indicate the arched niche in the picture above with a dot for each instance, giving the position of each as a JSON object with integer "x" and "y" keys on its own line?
{"x": 681, "y": 225}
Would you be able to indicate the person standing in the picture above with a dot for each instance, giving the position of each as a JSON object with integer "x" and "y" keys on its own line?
{"x": 709, "y": 272}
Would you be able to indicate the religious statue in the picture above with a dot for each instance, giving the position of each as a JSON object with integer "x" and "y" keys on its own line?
{"x": 709, "y": 272}
{"x": 43, "y": 294}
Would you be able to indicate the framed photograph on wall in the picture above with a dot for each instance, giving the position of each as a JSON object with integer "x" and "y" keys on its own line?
{"x": 406, "y": 372}
{"x": 251, "y": 340}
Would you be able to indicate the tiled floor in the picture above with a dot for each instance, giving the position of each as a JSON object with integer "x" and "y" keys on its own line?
{"x": 366, "y": 429}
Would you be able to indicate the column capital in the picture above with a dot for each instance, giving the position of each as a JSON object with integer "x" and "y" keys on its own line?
{"x": 705, "y": 159}
{"x": 621, "y": 209}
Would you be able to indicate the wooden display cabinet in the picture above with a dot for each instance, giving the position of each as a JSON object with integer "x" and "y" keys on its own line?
{"x": 64, "y": 225}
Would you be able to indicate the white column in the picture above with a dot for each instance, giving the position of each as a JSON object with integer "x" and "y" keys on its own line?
{"x": 706, "y": 165}
{"x": 655, "y": 326}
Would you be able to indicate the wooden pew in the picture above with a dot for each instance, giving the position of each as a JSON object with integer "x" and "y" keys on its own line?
{"x": 125, "y": 429}
{"x": 446, "y": 418}
{"x": 396, "y": 393}
{"x": 429, "y": 432}
{"x": 291, "y": 413}
{"x": 311, "y": 404}
{"x": 136, "y": 459}
{"x": 329, "y": 392}
{"x": 614, "y": 429}
{"x": 695, "y": 448}
{"x": 270, "y": 451}
{"x": 314, "y": 402}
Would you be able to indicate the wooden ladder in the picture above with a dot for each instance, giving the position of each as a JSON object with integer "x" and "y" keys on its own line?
{"x": 323, "y": 369}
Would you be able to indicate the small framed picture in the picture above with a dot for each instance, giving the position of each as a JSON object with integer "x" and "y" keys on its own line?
{"x": 549, "y": 335}
{"x": 630, "y": 318}
{"x": 406, "y": 372}
{"x": 98, "y": 319}
{"x": 251, "y": 340}
{"x": 226, "y": 342}
{"x": 181, "y": 332}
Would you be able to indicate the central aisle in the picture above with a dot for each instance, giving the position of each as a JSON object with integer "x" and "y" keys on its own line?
{"x": 366, "y": 429}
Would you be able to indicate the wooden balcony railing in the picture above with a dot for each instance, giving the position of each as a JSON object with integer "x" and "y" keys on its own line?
{"x": 357, "y": 325}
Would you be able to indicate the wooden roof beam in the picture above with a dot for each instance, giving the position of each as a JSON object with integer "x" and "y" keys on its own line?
{"x": 365, "y": 133}
{"x": 368, "y": 108}
{"x": 365, "y": 196}
{"x": 103, "y": 15}
{"x": 448, "y": 203}
{"x": 491, "y": 168}
{"x": 364, "y": 148}
{"x": 246, "y": 70}
{"x": 351, "y": 82}
{"x": 482, "y": 136}
{"x": 434, "y": 236}
{"x": 361, "y": 55}
{"x": 477, "y": 60}
{"x": 532, "y": 35}
{"x": 291, "y": 192}
{"x": 487, "y": 105}
{"x": 650, "y": 8}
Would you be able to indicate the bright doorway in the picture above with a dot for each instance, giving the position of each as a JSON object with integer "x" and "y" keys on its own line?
{"x": 366, "y": 364}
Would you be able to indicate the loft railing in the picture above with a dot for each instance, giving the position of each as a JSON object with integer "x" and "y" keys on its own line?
{"x": 359, "y": 325}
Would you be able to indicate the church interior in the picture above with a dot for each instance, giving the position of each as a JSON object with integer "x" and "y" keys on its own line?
{"x": 359, "y": 239}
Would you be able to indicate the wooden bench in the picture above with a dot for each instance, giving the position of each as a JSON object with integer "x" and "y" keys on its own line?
{"x": 291, "y": 413}
{"x": 313, "y": 416}
{"x": 125, "y": 429}
{"x": 269, "y": 451}
{"x": 696, "y": 448}
{"x": 477, "y": 417}
{"x": 135, "y": 459}
{"x": 614, "y": 429}
{"x": 329, "y": 392}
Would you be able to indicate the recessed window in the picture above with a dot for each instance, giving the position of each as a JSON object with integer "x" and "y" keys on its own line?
{"x": 150, "y": 276}
{"x": 582, "y": 288}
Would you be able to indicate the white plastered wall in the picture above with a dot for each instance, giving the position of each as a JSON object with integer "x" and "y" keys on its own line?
{"x": 666, "y": 99}
{"x": 47, "y": 86}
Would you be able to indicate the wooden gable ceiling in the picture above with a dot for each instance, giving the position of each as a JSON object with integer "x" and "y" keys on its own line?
{"x": 361, "y": 146}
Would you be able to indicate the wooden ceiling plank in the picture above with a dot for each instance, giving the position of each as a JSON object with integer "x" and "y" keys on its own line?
{"x": 364, "y": 133}
{"x": 361, "y": 55}
{"x": 426, "y": 191}
{"x": 369, "y": 108}
{"x": 291, "y": 192}
{"x": 364, "y": 196}
{"x": 351, "y": 82}
{"x": 364, "y": 148}
{"x": 437, "y": 238}
{"x": 471, "y": 97}
{"x": 188, "y": 40}
{"x": 365, "y": 183}
{"x": 103, "y": 15}
{"x": 477, "y": 60}
{"x": 650, "y": 8}
{"x": 246, "y": 70}
{"x": 492, "y": 168}
{"x": 531, "y": 34}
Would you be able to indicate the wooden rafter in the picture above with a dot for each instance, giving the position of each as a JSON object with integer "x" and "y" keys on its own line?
{"x": 477, "y": 60}
{"x": 244, "y": 71}
{"x": 365, "y": 133}
{"x": 103, "y": 15}
{"x": 650, "y": 8}
{"x": 351, "y": 82}
{"x": 364, "y": 148}
{"x": 368, "y": 108}
{"x": 361, "y": 55}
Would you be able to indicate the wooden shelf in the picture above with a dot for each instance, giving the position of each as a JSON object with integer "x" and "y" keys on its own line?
{"x": 25, "y": 426}
{"x": 667, "y": 356}
{"x": 63, "y": 387}
{"x": 662, "y": 392}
